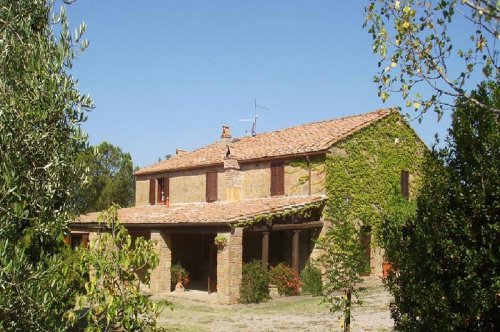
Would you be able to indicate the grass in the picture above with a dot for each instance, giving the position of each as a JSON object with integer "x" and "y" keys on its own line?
{"x": 286, "y": 313}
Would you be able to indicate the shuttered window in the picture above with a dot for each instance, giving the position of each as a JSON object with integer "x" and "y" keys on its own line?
{"x": 277, "y": 179}
{"x": 162, "y": 193}
{"x": 211, "y": 186}
{"x": 152, "y": 185}
{"x": 405, "y": 184}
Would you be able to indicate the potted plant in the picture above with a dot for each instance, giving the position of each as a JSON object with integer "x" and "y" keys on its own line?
{"x": 180, "y": 277}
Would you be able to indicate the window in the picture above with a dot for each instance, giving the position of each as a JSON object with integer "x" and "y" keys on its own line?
{"x": 405, "y": 184}
{"x": 366, "y": 239}
{"x": 79, "y": 240}
{"x": 277, "y": 179}
{"x": 152, "y": 183}
{"x": 163, "y": 190}
{"x": 211, "y": 182}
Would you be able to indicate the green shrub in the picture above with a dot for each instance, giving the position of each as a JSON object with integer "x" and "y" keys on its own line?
{"x": 285, "y": 279}
{"x": 311, "y": 280}
{"x": 179, "y": 274}
{"x": 254, "y": 283}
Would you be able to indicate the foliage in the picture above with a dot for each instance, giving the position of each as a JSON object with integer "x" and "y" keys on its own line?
{"x": 254, "y": 286}
{"x": 112, "y": 298}
{"x": 220, "y": 241}
{"x": 110, "y": 178}
{"x": 366, "y": 168}
{"x": 311, "y": 280}
{"x": 285, "y": 279}
{"x": 447, "y": 257}
{"x": 311, "y": 211}
{"x": 418, "y": 47}
{"x": 41, "y": 111}
{"x": 179, "y": 274}
{"x": 343, "y": 262}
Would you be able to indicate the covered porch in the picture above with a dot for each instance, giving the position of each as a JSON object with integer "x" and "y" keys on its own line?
{"x": 273, "y": 230}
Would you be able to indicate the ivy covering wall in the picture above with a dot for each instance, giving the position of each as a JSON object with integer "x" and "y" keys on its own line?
{"x": 364, "y": 171}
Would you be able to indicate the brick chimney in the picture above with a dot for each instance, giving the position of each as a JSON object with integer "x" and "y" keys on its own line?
{"x": 234, "y": 177}
{"x": 226, "y": 135}
{"x": 179, "y": 151}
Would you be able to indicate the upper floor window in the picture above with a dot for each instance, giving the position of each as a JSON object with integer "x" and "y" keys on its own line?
{"x": 277, "y": 178}
{"x": 405, "y": 184}
{"x": 211, "y": 188}
{"x": 163, "y": 190}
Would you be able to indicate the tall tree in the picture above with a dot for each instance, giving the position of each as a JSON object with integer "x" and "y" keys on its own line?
{"x": 110, "y": 178}
{"x": 446, "y": 258}
{"x": 41, "y": 111}
{"x": 442, "y": 45}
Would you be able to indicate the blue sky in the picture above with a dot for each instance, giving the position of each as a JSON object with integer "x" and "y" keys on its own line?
{"x": 169, "y": 74}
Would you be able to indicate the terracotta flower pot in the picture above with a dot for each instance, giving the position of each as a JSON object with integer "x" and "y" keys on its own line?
{"x": 386, "y": 267}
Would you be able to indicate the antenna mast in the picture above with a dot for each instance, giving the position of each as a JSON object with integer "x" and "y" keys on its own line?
{"x": 255, "y": 117}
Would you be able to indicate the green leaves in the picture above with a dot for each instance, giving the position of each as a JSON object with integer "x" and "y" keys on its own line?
{"x": 41, "y": 111}
{"x": 416, "y": 35}
{"x": 113, "y": 297}
{"x": 445, "y": 250}
{"x": 110, "y": 178}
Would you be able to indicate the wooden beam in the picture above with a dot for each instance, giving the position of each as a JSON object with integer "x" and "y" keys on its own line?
{"x": 265, "y": 249}
{"x": 286, "y": 227}
{"x": 295, "y": 250}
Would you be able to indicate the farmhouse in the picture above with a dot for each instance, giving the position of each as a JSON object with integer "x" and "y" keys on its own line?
{"x": 265, "y": 197}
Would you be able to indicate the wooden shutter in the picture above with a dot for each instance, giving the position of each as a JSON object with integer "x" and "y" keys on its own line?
{"x": 85, "y": 240}
{"x": 211, "y": 186}
{"x": 277, "y": 179}
{"x": 152, "y": 183}
{"x": 405, "y": 184}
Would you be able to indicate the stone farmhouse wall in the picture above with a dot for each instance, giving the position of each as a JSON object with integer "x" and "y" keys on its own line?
{"x": 189, "y": 186}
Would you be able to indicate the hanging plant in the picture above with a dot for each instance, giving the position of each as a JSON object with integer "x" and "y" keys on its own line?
{"x": 220, "y": 241}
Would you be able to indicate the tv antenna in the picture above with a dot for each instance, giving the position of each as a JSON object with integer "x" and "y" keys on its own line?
{"x": 255, "y": 117}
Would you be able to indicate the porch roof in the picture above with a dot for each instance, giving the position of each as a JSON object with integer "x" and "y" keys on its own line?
{"x": 207, "y": 213}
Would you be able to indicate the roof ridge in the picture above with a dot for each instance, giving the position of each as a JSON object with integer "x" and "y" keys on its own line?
{"x": 212, "y": 154}
{"x": 322, "y": 121}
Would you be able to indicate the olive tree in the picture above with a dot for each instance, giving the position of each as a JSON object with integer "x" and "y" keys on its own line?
{"x": 41, "y": 111}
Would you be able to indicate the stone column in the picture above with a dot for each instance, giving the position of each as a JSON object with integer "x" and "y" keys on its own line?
{"x": 160, "y": 277}
{"x": 229, "y": 267}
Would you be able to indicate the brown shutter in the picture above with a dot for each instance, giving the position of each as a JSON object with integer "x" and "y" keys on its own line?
{"x": 211, "y": 186}
{"x": 85, "y": 241}
{"x": 405, "y": 184}
{"x": 277, "y": 179}
{"x": 152, "y": 184}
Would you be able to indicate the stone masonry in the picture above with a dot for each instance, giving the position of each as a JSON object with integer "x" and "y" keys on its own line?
{"x": 230, "y": 267}
{"x": 160, "y": 277}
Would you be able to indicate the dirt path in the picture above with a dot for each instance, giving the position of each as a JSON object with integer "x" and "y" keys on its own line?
{"x": 298, "y": 313}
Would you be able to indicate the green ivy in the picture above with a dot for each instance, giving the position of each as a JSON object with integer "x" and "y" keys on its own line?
{"x": 364, "y": 170}
{"x": 288, "y": 216}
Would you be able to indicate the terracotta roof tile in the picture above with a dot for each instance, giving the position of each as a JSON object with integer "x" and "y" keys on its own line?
{"x": 308, "y": 138}
{"x": 206, "y": 213}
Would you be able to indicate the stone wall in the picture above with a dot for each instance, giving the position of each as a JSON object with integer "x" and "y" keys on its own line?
{"x": 230, "y": 267}
{"x": 160, "y": 277}
{"x": 141, "y": 191}
{"x": 257, "y": 180}
{"x": 184, "y": 186}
